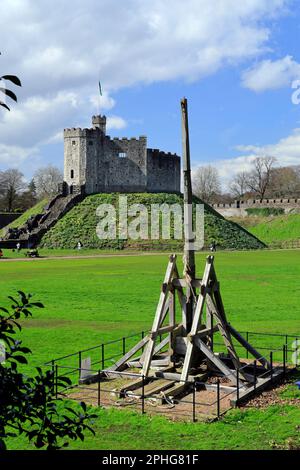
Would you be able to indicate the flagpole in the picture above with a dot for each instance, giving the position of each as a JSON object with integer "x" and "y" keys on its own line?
{"x": 100, "y": 94}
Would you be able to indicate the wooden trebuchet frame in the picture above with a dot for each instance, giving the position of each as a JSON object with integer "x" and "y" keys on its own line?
{"x": 189, "y": 350}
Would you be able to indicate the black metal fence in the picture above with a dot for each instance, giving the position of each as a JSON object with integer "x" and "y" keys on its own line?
{"x": 204, "y": 398}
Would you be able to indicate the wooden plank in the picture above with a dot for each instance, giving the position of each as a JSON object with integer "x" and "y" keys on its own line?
{"x": 128, "y": 355}
{"x": 248, "y": 346}
{"x": 176, "y": 376}
{"x": 207, "y": 331}
{"x": 196, "y": 283}
{"x": 196, "y": 319}
{"x": 132, "y": 386}
{"x": 166, "y": 329}
{"x": 158, "y": 388}
{"x": 158, "y": 315}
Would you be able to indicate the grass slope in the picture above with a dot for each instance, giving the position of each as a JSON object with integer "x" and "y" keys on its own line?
{"x": 274, "y": 229}
{"x": 37, "y": 209}
{"x": 80, "y": 224}
{"x": 283, "y": 228}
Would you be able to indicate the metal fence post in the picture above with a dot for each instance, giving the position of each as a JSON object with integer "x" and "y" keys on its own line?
{"x": 255, "y": 374}
{"x": 99, "y": 387}
{"x": 143, "y": 394}
{"x": 247, "y": 337}
{"x": 194, "y": 403}
{"x": 53, "y": 374}
{"x": 218, "y": 398}
{"x": 284, "y": 359}
{"x": 56, "y": 377}
{"x": 124, "y": 346}
{"x": 102, "y": 356}
{"x": 271, "y": 365}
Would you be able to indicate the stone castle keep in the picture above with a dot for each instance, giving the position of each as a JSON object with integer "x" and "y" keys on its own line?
{"x": 94, "y": 163}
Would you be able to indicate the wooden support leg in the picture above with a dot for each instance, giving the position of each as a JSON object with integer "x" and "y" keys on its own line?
{"x": 130, "y": 353}
{"x": 158, "y": 316}
{"x": 249, "y": 348}
{"x": 196, "y": 319}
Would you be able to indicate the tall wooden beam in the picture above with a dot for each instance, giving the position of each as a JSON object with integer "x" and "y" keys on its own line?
{"x": 189, "y": 255}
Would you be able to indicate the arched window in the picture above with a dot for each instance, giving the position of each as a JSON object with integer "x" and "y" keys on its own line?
{"x": 72, "y": 174}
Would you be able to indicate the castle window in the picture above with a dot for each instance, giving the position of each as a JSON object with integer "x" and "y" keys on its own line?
{"x": 122, "y": 155}
{"x": 73, "y": 142}
{"x": 72, "y": 174}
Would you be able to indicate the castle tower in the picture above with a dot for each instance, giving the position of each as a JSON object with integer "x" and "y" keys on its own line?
{"x": 99, "y": 122}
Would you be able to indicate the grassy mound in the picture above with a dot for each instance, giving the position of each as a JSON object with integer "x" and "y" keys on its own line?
{"x": 37, "y": 209}
{"x": 278, "y": 229}
{"x": 80, "y": 224}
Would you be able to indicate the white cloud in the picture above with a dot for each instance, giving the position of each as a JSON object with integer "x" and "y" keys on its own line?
{"x": 286, "y": 151}
{"x": 270, "y": 75}
{"x": 60, "y": 51}
{"x": 115, "y": 122}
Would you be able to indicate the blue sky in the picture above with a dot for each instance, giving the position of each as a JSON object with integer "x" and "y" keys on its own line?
{"x": 234, "y": 61}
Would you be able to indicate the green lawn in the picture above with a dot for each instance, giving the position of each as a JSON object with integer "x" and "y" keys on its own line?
{"x": 89, "y": 301}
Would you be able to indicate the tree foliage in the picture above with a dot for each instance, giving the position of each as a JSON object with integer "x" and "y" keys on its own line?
{"x": 206, "y": 183}
{"x": 28, "y": 404}
{"x": 47, "y": 180}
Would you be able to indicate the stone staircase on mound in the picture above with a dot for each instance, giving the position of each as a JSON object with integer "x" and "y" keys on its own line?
{"x": 31, "y": 233}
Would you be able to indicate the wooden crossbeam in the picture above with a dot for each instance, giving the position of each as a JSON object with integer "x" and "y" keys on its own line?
{"x": 196, "y": 283}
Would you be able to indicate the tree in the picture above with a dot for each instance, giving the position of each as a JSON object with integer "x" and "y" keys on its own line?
{"x": 11, "y": 185}
{"x": 29, "y": 197}
{"x": 284, "y": 182}
{"x": 259, "y": 178}
{"x": 28, "y": 404}
{"x": 206, "y": 183}
{"x": 47, "y": 180}
{"x": 238, "y": 186}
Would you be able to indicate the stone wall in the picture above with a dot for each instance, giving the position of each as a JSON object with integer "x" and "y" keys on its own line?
{"x": 238, "y": 208}
{"x": 163, "y": 171}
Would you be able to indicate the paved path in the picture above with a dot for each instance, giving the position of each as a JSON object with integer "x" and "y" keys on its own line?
{"x": 42, "y": 258}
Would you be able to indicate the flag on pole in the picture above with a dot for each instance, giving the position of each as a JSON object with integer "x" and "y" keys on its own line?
{"x": 100, "y": 88}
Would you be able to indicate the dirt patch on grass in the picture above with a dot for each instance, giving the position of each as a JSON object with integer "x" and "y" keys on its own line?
{"x": 273, "y": 397}
{"x": 203, "y": 407}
